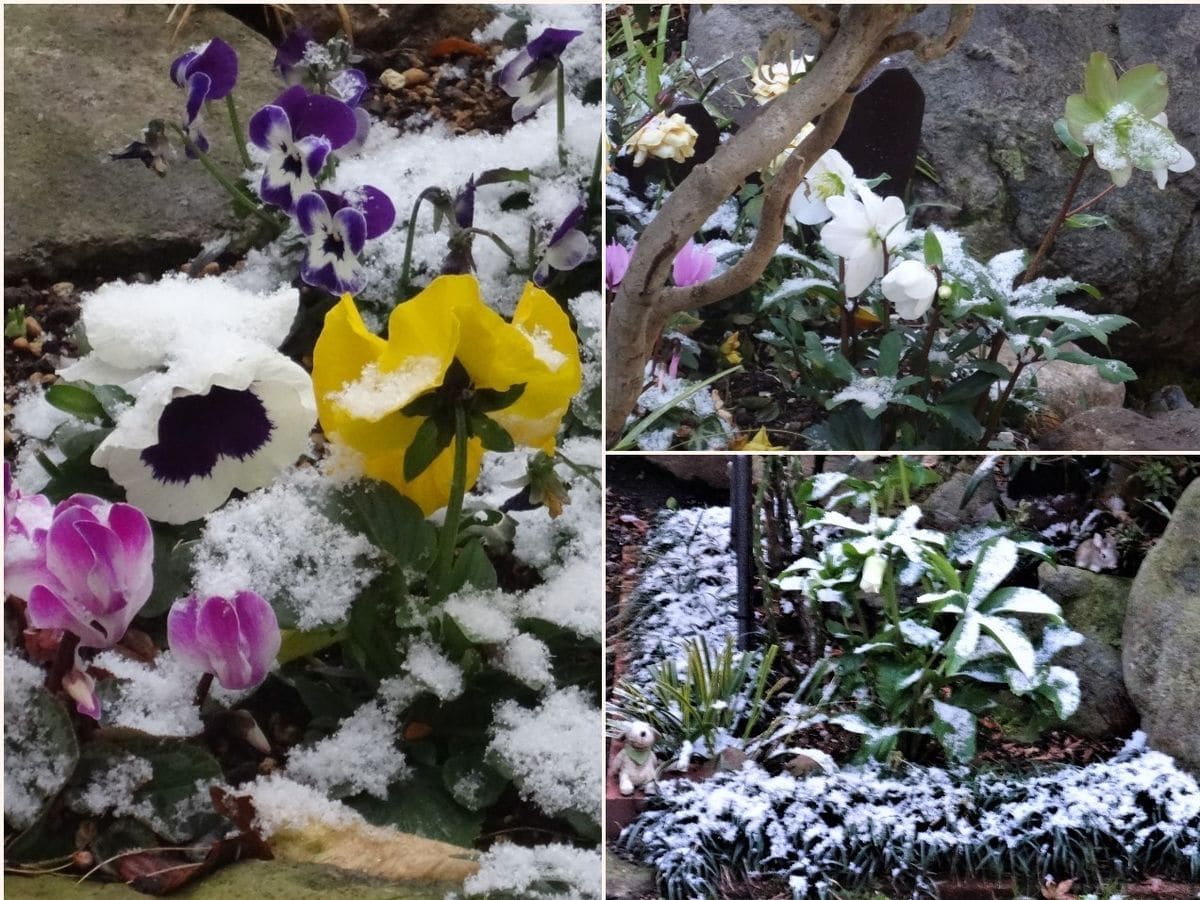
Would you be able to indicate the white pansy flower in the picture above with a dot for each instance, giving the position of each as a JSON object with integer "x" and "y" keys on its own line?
{"x": 910, "y": 286}
{"x": 860, "y": 231}
{"x": 769, "y": 82}
{"x": 830, "y": 176}
{"x": 664, "y": 137}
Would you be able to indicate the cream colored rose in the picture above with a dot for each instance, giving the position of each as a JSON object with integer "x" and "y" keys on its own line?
{"x": 768, "y": 82}
{"x": 664, "y": 137}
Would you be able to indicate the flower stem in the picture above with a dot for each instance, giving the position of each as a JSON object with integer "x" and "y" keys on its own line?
{"x": 1056, "y": 226}
{"x": 993, "y": 422}
{"x": 406, "y": 268}
{"x": 1088, "y": 204}
{"x": 562, "y": 115}
{"x": 238, "y": 137}
{"x": 203, "y": 687}
{"x": 64, "y": 661}
{"x": 239, "y": 196}
{"x": 448, "y": 539}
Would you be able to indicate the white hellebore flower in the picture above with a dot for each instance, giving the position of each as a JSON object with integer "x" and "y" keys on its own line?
{"x": 215, "y": 407}
{"x": 664, "y": 137}
{"x": 911, "y": 288}
{"x": 872, "y": 576}
{"x": 1184, "y": 161}
{"x": 860, "y": 231}
{"x": 830, "y": 176}
{"x": 768, "y": 82}
{"x": 777, "y": 163}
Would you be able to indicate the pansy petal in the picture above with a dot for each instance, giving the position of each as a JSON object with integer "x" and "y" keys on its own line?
{"x": 270, "y": 128}
{"x": 495, "y": 355}
{"x": 349, "y": 85}
{"x": 550, "y": 44}
{"x": 198, "y": 88}
{"x": 312, "y": 213}
{"x": 314, "y": 151}
{"x": 325, "y": 117}
{"x": 179, "y": 68}
{"x": 353, "y": 226}
{"x": 362, "y": 120}
{"x": 219, "y": 62}
{"x": 377, "y": 208}
{"x": 510, "y": 76}
{"x": 569, "y": 251}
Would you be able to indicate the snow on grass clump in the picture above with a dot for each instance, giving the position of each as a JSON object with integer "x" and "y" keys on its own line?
{"x": 37, "y": 761}
{"x": 687, "y": 589}
{"x": 552, "y": 751}
{"x": 548, "y": 872}
{"x": 1134, "y": 814}
{"x": 361, "y": 756}
{"x": 278, "y": 543}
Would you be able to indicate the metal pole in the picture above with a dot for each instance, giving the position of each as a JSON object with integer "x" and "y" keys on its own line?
{"x": 740, "y": 508}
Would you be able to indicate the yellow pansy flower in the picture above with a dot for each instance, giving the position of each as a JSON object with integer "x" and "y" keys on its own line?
{"x": 761, "y": 442}
{"x": 364, "y": 382}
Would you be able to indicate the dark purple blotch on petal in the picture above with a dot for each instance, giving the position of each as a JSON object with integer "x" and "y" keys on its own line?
{"x": 194, "y": 432}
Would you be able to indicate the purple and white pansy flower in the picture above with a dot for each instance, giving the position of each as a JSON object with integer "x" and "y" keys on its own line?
{"x": 235, "y": 639}
{"x": 529, "y": 76}
{"x": 298, "y": 131}
{"x": 208, "y": 72}
{"x": 337, "y": 227}
{"x": 568, "y": 247}
{"x": 289, "y": 53}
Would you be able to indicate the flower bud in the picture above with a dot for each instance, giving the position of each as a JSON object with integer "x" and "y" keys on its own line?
{"x": 944, "y": 292}
{"x": 872, "y": 576}
{"x": 236, "y": 640}
{"x": 910, "y": 286}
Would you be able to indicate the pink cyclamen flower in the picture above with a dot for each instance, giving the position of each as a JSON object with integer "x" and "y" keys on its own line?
{"x": 236, "y": 640}
{"x": 97, "y": 572}
{"x": 616, "y": 264}
{"x": 26, "y": 521}
{"x": 692, "y": 265}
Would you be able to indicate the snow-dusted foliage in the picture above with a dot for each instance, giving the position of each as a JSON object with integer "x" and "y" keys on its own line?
{"x": 1134, "y": 814}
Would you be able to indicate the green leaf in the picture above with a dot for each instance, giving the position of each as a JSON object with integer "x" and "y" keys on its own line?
{"x": 890, "y": 348}
{"x": 77, "y": 401}
{"x": 391, "y": 521}
{"x": 1113, "y": 370}
{"x": 78, "y": 440}
{"x": 490, "y": 432}
{"x": 1064, "y": 134}
{"x": 498, "y": 176}
{"x": 40, "y": 750}
{"x": 954, "y": 728}
{"x": 974, "y": 385}
{"x": 1088, "y": 220}
{"x": 933, "y": 249}
{"x": 631, "y": 436}
{"x": 298, "y": 644}
{"x": 113, "y": 399}
{"x": 472, "y": 567}
{"x": 430, "y": 440}
{"x": 422, "y": 805}
{"x": 167, "y": 802}
{"x": 487, "y": 400}
{"x": 474, "y": 783}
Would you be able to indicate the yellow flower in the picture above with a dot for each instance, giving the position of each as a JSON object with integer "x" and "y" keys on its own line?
{"x": 363, "y": 382}
{"x": 664, "y": 137}
{"x": 761, "y": 442}
{"x": 729, "y": 348}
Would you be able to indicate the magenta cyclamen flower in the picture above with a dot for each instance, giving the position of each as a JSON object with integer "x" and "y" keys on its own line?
{"x": 208, "y": 72}
{"x": 97, "y": 573}
{"x": 692, "y": 265}
{"x": 299, "y": 130}
{"x": 26, "y": 521}
{"x": 236, "y": 640}
{"x": 338, "y": 226}
{"x": 616, "y": 264}
{"x": 529, "y": 76}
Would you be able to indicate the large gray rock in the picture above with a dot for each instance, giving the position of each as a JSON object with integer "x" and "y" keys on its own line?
{"x": 1161, "y": 643}
{"x": 1066, "y": 388}
{"x": 1109, "y": 428}
{"x": 988, "y": 134}
{"x": 944, "y": 508}
{"x": 80, "y": 81}
{"x": 1094, "y": 605}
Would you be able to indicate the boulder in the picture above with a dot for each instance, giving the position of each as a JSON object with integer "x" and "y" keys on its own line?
{"x": 1066, "y": 388}
{"x": 1161, "y": 638}
{"x": 988, "y": 135}
{"x": 83, "y": 80}
{"x": 944, "y": 509}
{"x": 1094, "y": 605}
{"x": 1111, "y": 428}
{"x": 711, "y": 470}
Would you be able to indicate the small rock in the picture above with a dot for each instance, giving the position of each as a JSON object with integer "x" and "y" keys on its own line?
{"x": 35, "y": 347}
{"x": 415, "y": 76}
{"x": 33, "y": 330}
{"x": 1167, "y": 398}
{"x": 392, "y": 80}
{"x": 20, "y": 343}
{"x": 211, "y": 268}
{"x": 62, "y": 289}
{"x": 944, "y": 508}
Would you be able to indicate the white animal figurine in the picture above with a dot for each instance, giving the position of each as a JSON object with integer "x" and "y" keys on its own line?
{"x": 1098, "y": 554}
{"x": 636, "y": 766}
